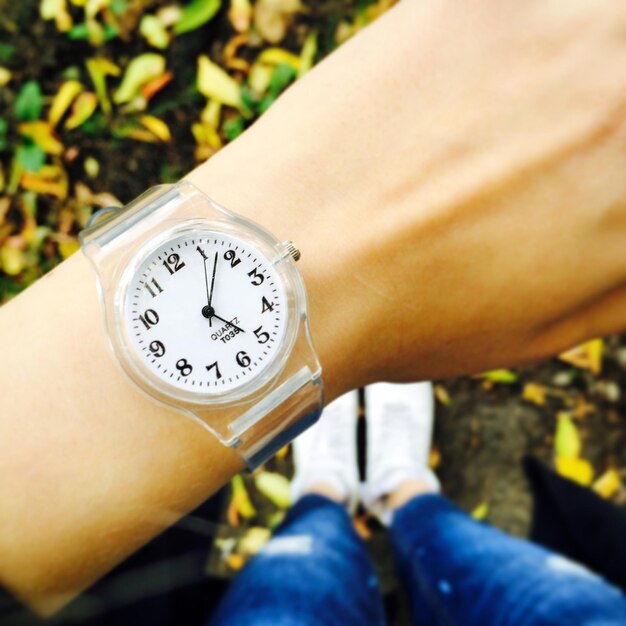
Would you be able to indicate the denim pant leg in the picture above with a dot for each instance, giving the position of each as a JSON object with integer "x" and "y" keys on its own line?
{"x": 459, "y": 572}
{"x": 315, "y": 571}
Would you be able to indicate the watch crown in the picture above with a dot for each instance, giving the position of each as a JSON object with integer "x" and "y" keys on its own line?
{"x": 292, "y": 251}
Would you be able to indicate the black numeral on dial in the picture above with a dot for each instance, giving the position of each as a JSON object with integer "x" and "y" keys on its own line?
{"x": 262, "y": 336}
{"x": 218, "y": 374}
{"x": 265, "y": 305}
{"x": 154, "y": 289}
{"x": 230, "y": 255}
{"x": 149, "y": 318}
{"x": 243, "y": 360}
{"x": 257, "y": 279}
{"x": 173, "y": 263}
{"x": 157, "y": 348}
{"x": 183, "y": 367}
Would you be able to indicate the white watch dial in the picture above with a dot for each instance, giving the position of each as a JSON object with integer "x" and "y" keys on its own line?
{"x": 205, "y": 312}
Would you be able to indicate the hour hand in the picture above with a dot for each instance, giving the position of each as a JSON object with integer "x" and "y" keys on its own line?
{"x": 229, "y": 323}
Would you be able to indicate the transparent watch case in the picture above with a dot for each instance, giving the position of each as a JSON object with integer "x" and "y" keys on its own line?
{"x": 285, "y": 393}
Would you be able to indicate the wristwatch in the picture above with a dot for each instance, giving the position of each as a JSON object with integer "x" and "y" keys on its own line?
{"x": 206, "y": 312}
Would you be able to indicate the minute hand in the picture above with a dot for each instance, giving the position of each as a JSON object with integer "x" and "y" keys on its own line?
{"x": 212, "y": 281}
{"x": 229, "y": 323}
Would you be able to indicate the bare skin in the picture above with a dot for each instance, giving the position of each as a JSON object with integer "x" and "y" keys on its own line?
{"x": 455, "y": 181}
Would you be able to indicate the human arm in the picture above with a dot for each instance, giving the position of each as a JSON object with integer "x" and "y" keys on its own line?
{"x": 447, "y": 175}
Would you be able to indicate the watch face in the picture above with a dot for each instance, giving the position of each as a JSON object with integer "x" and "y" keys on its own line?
{"x": 205, "y": 312}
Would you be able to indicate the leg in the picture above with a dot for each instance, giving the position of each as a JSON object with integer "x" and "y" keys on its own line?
{"x": 316, "y": 570}
{"x": 461, "y": 572}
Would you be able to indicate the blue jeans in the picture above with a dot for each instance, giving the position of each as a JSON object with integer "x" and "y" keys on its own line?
{"x": 457, "y": 572}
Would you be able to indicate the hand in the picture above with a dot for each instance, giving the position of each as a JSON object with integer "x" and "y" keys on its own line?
{"x": 229, "y": 323}
{"x": 208, "y": 311}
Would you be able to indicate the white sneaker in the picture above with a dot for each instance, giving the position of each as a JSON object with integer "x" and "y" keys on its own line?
{"x": 326, "y": 452}
{"x": 399, "y": 420}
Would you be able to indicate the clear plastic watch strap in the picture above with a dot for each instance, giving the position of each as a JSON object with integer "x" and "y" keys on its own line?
{"x": 278, "y": 418}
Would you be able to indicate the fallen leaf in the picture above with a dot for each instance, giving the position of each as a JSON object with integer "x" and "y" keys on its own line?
{"x": 50, "y": 179}
{"x": 154, "y": 32}
{"x": 278, "y": 56}
{"x": 566, "y": 439}
{"x": 442, "y": 395}
{"x": 68, "y": 248}
{"x": 29, "y": 102}
{"x": 12, "y": 259}
{"x": 585, "y": 356}
{"x": 275, "y": 487}
{"x": 272, "y": 17}
{"x": 362, "y": 528}
{"x": 68, "y": 91}
{"x": 481, "y": 511}
{"x": 608, "y": 484}
{"x": 434, "y": 458}
{"x": 5, "y": 76}
{"x": 155, "y": 85}
{"x": 254, "y": 539}
{"x": 56, "y": 10}
{"x": 82, "y": 109}
{"x": 506, "y": 377}
{"x": 42, "y": 135}
{"x": 282, "y": 453}
{"x": 235, "y": 561}
{"x": 240, "y": 498}
{"x": 307, "y": 55}
{"x": 240, "y": 15}
{"x": 157, "y": 127}
{"x": 578, "y": 470}
{"x": 534, "y": 393}
{"x": 196, "y": 14}
{"x": 141, "y": 70}
{"x": 213, "y": 82}
{"x": 99, "y": 68}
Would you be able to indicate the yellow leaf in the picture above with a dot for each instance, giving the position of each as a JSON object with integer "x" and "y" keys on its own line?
{"x": 43, "y": 135}
{"x": 566, "y": 440}
{"x": 282, "y": 453}
{"x": 154, "y": 31}
{"x": 481, "y": 511}
{"x": 157, "y": 127}
{"x": 442, "y": 395}
{"x": 534, "y": 393}
{"x": 434, "y": 458}
{"x": 213, "y": 82}
{"x": 12, "y": 260}
{"x": 206, "y": 135}
{"x": 240, "y": 15}
{"x": 63, "y": 99}
{"x": 50, "y": 179}
{"x": 254, "y": 539}
{"x": 67, "y": 248}
{"x": 235, "y": 561}
{"x": 56, "y": 10}
{"x": 578, "y": 470}
{"x": 211, "y": 114}
{"x": 260, "y": 77}
{"x": 141, "y": 70}
{"x": 83, "y": 108}
{"x": 585, "y": 356}
{"x": 241, "y": 499}
{"x": 278, "y": 56}
{"x": 5, "y": 76}
{"x": 307, "y": 56}
{"x": 99, "y": 68}
{"x": 608, "y": 484}
{"x": 275, "y": 487}
{"x": 272, "y": 17}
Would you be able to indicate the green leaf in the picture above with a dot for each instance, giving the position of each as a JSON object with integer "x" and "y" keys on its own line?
{"x": 29, "y": 102}
{"x": 30, "y": 157}
{"x": 81, "y": 31}
{"x": 6, "y": 52}
{"x": 196, "y": 14}
{"x": 282, "y": 75}
{"x": 4, "y": 127}
{"x": 233, "y": 128}
{"x": 506, "y": 377}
